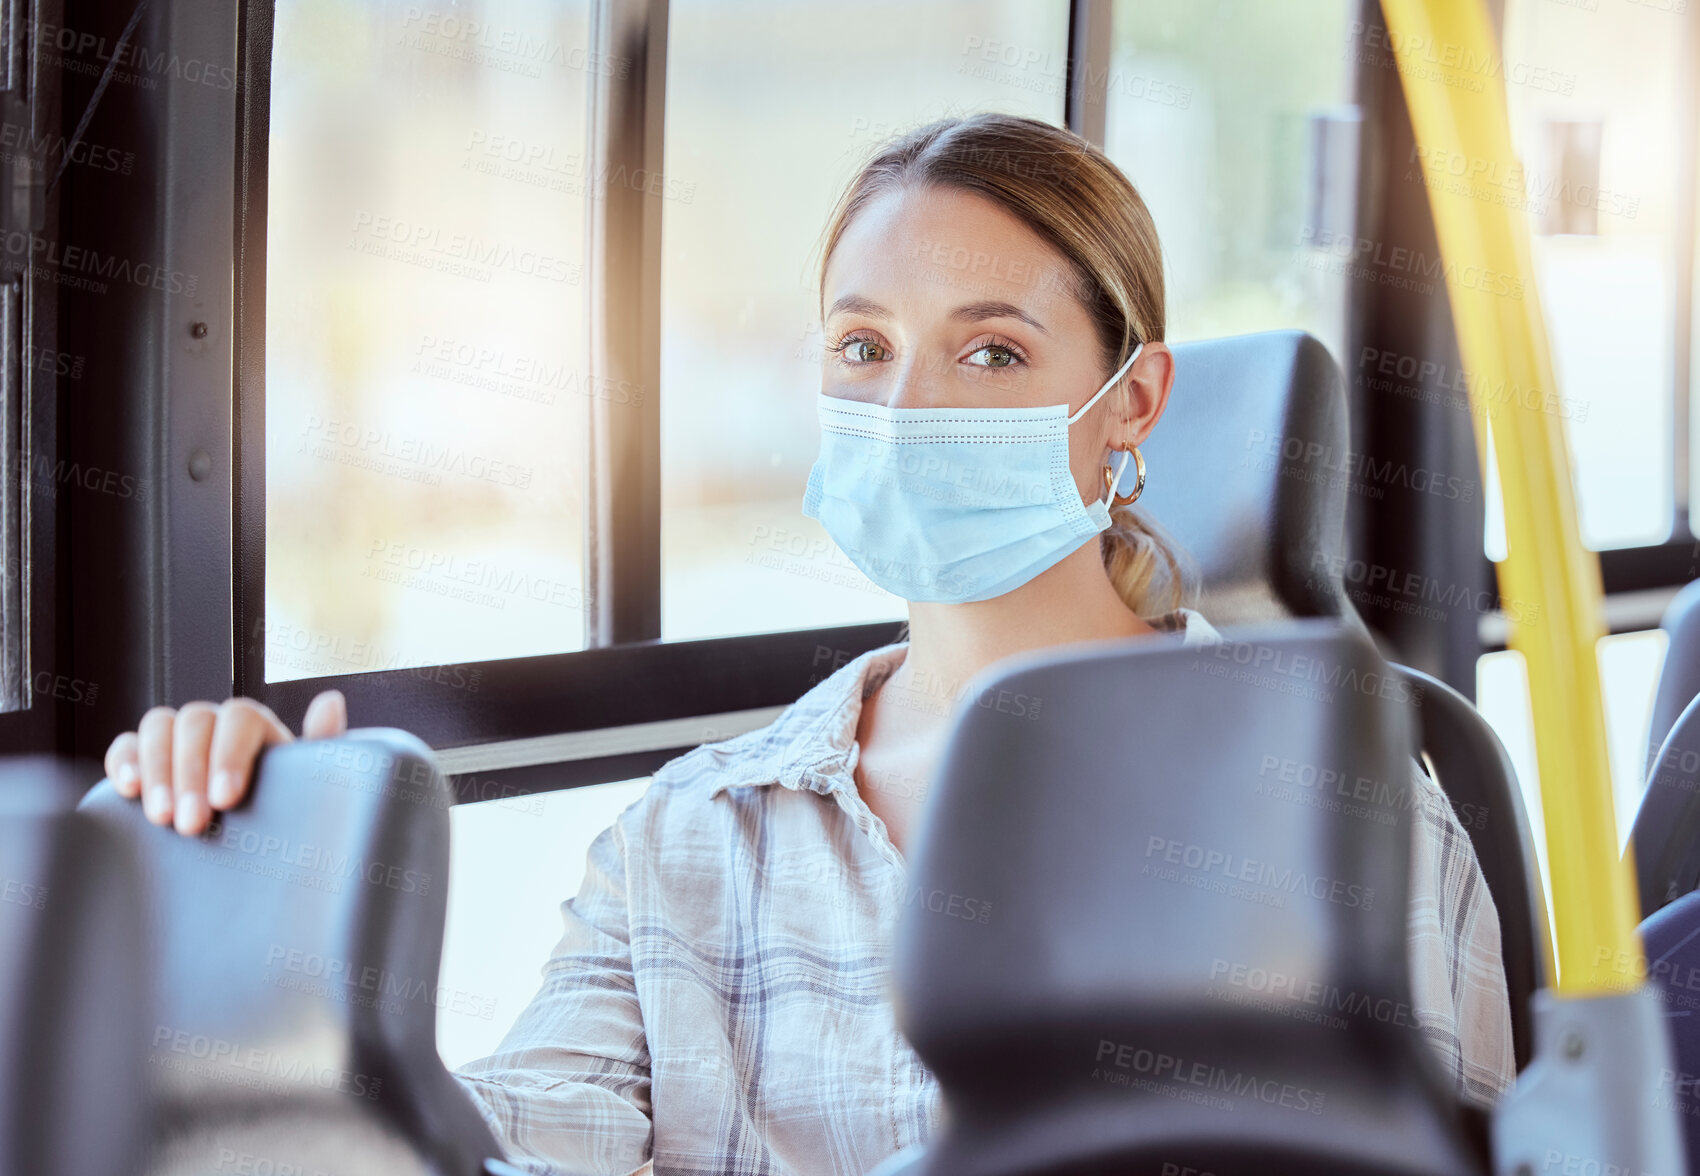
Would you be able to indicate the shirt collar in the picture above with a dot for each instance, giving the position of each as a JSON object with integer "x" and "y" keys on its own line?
{"x": 812, "y": 744}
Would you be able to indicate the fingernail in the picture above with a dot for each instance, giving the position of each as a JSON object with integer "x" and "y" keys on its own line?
{"x": 126, "y": 776}
{"x": 158, "y": 803}
{"x": 222, "y": 790}
{"x": 191, "y": 813}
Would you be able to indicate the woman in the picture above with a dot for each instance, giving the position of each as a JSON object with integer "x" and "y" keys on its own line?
{"x": 718, "y": 999}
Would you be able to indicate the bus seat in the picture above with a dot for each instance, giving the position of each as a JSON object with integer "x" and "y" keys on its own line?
{"x": 298, "y": 943}
{"x": 1473, "y": 770}
{"x": 1239, "y": 475}
{"x": 1133, "y": 946}
{"x": 1664, "y": 842}
{"x": 1679, "y": 680}
{"x": 1265, "y": 414}
{"x": 73, "y": 1001}
{"x": 1671, "y": 939}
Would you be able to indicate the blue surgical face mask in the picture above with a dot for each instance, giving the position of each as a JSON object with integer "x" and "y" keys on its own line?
{"x": 952, "y": 504}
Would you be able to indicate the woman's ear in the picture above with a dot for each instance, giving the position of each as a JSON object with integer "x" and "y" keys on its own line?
{"x": 1148, "y": 383}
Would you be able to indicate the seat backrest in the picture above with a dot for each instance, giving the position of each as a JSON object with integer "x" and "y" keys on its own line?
{"x": 1248, "y": 472}
{"x": 1679, "y": 680}
{"x": 1144, "y": 934}
{"x": 1671, "y": 936}
{"x": 1664, "y": 842}
{"x": 73, "y": 1010}
{"x": 298, "y": 943}
{"x": 1265, "y": 416}
{"x": 1471, "y": 766}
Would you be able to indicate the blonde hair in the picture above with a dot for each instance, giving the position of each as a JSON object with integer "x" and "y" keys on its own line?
{"x": 1075, "y": 199}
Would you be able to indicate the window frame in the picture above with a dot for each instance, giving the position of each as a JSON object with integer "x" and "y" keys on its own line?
{"x": 129, "y": 604}
{"x": 30, "y": 551}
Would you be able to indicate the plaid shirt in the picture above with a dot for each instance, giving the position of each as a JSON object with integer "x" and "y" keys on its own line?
{"x": 718, "y": 1001}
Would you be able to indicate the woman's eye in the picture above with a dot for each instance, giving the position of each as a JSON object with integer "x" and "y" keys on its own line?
{"x": 996, "y": 356}
{"x": 863, "y": 351}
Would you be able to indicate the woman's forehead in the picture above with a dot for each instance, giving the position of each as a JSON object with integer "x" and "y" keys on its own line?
{"x": 947, "y": 246}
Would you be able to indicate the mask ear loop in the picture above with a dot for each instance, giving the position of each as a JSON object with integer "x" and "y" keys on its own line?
{"x": 1108, "y": 384}
{"x": 1110, "y": 492}
{"x": 1116, "y": 480}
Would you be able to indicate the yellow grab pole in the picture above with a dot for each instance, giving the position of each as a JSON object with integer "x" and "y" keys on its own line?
{"x": 1451, "y": 69}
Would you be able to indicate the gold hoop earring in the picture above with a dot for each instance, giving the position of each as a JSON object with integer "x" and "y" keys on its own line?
{"x": 1138, "y": 485}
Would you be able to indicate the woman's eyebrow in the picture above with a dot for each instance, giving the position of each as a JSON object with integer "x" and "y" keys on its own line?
{"x": 971, "y": 312}
{"x": 856, "y": 304}
{"x": 975, "y": 311}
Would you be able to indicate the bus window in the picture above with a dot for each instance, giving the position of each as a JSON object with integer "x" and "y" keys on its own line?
{"x": 767, "y": 119}
{"x": 425, "y": 395}
{"x": 1599, "y": 135}
{"x": 1221, "y": 115}
{"x": 1629, "y": 674}
{"x": 513, "y": 859}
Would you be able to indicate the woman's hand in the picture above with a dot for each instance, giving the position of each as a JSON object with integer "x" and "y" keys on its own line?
{"x": 185, "y": 762}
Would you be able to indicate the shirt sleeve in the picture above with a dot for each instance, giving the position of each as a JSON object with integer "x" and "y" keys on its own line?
{"x": 568, "y": 1089}
{"x": 1459, "y": 999}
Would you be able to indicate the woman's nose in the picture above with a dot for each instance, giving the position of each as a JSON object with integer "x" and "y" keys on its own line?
{"x": 916, "y": 384}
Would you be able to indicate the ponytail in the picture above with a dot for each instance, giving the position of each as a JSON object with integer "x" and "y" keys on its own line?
{"x": 1147, "y": 568}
